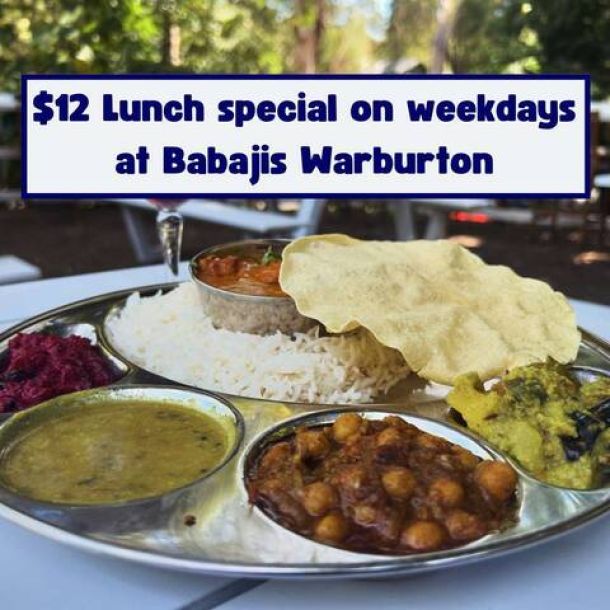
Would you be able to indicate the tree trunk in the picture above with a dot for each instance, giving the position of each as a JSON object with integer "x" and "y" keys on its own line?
{"x": 396, "y": 31}
{"x": 170, "y": 54}
{"x": 445, "y": 18}
{"x": 310, "y": 25}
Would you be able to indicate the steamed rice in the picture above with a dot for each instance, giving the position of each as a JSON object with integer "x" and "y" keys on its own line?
{"x": 171, "y": 336}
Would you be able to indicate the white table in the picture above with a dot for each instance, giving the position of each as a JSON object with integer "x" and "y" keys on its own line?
{"x": 15, "y": 269}
{"x": 39, "y": 574}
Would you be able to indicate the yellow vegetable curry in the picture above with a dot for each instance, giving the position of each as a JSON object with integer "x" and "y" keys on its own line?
{"x": 542, "y": 416}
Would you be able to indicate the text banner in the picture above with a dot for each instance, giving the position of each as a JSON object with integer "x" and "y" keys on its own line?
{"x": 277, "y": 136}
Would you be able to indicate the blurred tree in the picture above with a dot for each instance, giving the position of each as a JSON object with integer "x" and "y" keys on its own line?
{"x": 504, "y": 36}
{"x": 71, "y": 36}
{"x": 136, "y": 35}
{"x": 348, "y": 45}
{"x": 491, "y": 36}
{"x": 573, "y": 37}
{"x": 309, "y": 20}
{"x": 241, "y": 36}
{"x": 465, "y": 35}
{"x": 303, "y": 36}
{"x": 445, "y": 18}
{"x": 410, "y": 30}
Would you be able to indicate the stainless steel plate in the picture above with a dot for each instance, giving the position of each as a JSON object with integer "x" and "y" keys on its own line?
{"x": 231, "y": 538}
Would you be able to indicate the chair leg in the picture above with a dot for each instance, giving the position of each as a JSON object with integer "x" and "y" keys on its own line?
{"x": 584, "y": 226}
{"x": 404, "y": 221}
{"x": 436, "y": 227}
{"x": 554, "y": 233}
{"x": 143, "y": 249}
{"x": 604, "y": 212}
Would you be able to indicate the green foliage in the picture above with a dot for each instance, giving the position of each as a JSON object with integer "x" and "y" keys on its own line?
{"x": 238, "y": 36}
{"x": 72, "y": 36}
{"x": 410, "y": 29}
{"x": 573, "y": 36}
{"x": 487, "y": 37}
{"x": 347, "y": 45}
{"x": 69, "y": 36}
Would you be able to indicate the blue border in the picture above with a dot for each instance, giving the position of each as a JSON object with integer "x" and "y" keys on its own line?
{"x": 586, "y": 78}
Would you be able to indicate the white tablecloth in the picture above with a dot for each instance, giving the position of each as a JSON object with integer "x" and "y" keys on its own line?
{"x": 39, "y": 574}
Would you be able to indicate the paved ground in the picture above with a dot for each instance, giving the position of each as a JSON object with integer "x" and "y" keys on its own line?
{"x": 64, "y": 239}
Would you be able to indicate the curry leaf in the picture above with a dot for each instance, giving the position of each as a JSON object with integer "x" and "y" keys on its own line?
{"x": 270, "y": 256}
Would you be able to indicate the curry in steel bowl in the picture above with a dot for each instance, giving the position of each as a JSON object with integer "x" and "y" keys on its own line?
{"x": 381, "y": 486}
{"x": 242, "y": 274}
{"x": 110, "y": 447}
{"x": 239, "y": 288}
{"x": 556, "y": 426}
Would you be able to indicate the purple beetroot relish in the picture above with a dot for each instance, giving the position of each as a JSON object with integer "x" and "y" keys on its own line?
{"x": 38, "y": 367}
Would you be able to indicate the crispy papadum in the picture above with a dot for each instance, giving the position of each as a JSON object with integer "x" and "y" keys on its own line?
{"x": 441, "y": 306}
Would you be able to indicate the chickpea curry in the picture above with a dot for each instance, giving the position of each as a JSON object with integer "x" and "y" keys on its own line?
{"x": 381, "y": 486}
{"x": 242, "y": 274}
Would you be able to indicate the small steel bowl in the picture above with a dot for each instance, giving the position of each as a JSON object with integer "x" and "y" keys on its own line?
{"x": 121, "y": 516}
{"x": 260, "y": 315}
{"x": 284, "y": 429}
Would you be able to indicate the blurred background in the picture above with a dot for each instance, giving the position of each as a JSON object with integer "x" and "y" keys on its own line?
{"x": 563, "y": 242}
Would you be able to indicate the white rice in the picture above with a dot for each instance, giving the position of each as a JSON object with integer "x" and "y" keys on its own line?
{"x": 171, "y": 336}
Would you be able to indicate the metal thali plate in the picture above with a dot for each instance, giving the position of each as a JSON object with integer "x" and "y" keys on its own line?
{"x": 227, "y": 536}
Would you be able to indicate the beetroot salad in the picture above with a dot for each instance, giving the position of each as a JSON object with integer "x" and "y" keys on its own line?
{"x": 38, "y": 366}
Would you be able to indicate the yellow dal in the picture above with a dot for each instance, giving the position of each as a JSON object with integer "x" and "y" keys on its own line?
{"x": 113, "y": 451}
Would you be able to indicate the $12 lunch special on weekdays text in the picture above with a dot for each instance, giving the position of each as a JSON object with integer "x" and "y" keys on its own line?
{"x": 262, "y": 160}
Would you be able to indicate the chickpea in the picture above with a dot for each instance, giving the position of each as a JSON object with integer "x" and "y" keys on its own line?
{"x": 390, "y": 446}
{"x": 312, "y": 444}
{"x": 445, "y": 460}
{"x": 388, "y": 436}
{"x": 497, "y": 479}
{"x": 332, "y": 528}
{"x": 446, "y": 492}
{"x": 393, "y": 421}
{"x": 352, "y": 452}
{"x": 346, "y": 425}
{"x": 428, "y": 441}
{"x": 275, "y": 456}
{"x": 399, "y": 482}
{"x": 364, "y": 514}
{"x": 466, "y": 459}
{"x": 318, "y": 498}
{"x": 423, "y": 536}
{"x": 464, "y": 526}
{"x": 353, "y": 482}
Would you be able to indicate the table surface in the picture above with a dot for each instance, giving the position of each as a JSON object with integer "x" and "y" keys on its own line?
{"x": 38, "y": 573}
